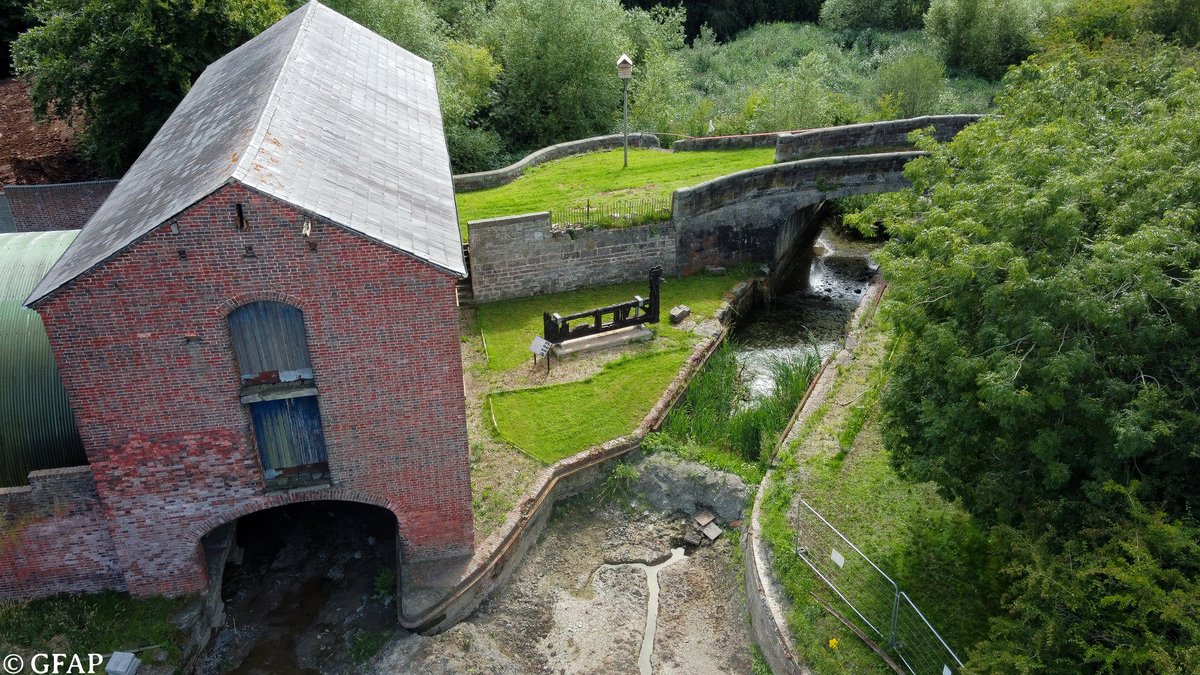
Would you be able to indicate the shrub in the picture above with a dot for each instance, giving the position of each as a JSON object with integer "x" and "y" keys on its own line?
{"x": 912, "y": 82}
{"x": 879, "y": 14}
{"x": 985, "y": 36}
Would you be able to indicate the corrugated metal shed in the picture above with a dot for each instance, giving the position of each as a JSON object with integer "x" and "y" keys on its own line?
{"x": 37, "y": 430}
{"x": 316, "y": 111}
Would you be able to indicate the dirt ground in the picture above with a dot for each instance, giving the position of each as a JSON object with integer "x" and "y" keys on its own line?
{"x": 578, "y": 604}
{"x": 34, "y": 153}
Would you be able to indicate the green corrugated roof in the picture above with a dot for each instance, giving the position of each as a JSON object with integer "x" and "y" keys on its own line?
{"x": 37, "y": 430}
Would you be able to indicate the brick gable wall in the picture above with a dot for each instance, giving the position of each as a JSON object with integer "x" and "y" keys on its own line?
{"x": 143, "y": 344}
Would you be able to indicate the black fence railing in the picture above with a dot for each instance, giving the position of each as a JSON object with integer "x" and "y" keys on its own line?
{"x": 619, "y": 212}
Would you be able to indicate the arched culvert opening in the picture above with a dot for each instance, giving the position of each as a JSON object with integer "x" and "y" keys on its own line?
{"x": 307, "y": 588}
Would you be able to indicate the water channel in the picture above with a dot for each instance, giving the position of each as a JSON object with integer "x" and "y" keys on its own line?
{"x": 813, "y": 313}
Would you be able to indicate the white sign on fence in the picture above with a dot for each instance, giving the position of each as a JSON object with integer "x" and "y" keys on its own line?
{"x": 838, "y": 558}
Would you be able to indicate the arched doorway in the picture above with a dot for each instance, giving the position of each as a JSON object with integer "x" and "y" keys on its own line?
{"x": 306, "y": 588}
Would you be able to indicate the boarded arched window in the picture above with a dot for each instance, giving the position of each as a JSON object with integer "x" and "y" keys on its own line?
{"x": 271, "y": 347}
{"x": 270, "y": 342}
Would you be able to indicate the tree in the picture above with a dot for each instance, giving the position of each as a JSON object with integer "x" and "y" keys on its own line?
{"x": 559, "y": 80}
{"x": 1120, "y": 596}
{"x": 119, "y": 67}
{"x": 1045, "y": 297}
{"x": 878, "y": 14}
{"x": 911, "y": 83}
{"x": 985, "y": 36}
{"x": 13, "y": 20}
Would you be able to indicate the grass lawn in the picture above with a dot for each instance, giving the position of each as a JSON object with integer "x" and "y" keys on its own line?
{"x": 95, "y": 623}
{"x": 557, "y": 421}
{"x": 929, "y": 546}
{"x": 508, "y": 326}
{"x": 599, "y": 176}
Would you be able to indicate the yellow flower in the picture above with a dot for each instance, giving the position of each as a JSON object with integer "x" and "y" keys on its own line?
{"x": 833, "y": 643}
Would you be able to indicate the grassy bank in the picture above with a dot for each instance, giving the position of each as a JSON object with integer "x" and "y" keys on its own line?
{"x": 508, "y": 326}
{"x": 601, "y": 178}
{"x": 716, "y": 424}
{"x": 98, "y": 623}
{"x": 929, "y": 546}
{"x": 553, "y": 422}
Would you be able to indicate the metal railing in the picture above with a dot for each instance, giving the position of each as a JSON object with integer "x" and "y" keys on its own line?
{"x": 873, "y": 596}
{"x": 613, "y": 212}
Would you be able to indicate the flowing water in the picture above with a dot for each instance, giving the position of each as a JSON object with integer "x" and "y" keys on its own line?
{"x": 812, "y": 315}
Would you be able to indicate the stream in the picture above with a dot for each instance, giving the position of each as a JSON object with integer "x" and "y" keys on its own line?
{"x": 812, "y": 314}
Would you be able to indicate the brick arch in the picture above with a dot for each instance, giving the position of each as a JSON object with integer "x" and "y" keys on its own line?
{"x": 241, "y": 300}
{"x": 256, "y": 504}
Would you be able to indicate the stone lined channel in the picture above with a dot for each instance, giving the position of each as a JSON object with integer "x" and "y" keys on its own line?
{"x": 812, "y": 314}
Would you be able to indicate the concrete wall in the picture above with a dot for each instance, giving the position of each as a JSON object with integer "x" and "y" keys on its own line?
{"x": 54, "y": 537}
{"x": 890, "y": 135}
{"x": 144, "y": 348}
{"x": 523, "y": 255}
{"x": 468, "y": 182}
{"x": 63, "y": 206}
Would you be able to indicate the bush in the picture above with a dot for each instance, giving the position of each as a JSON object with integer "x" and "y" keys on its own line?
{"x": 909, "y": 85}
{"x": 878, "y": 14}
{"x": 985, "y": 36}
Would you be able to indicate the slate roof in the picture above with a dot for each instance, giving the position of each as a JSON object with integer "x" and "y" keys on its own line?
{"x": 317, "y": 111}
{"x": 6, "y": 219}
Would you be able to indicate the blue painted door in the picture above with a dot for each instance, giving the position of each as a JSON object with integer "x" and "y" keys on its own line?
{"x": 289, "y": 432}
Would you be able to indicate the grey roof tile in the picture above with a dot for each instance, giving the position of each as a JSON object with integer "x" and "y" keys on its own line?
{"x": 316, "y": 111}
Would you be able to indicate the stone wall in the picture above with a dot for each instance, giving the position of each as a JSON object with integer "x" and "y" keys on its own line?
{"x": 523, "y": 255}
{"x": 469, "y": 182}
{"x": 742, "y": 217}
{"x": 877, "y": 136}
{"x": 144, "y": 347}
{"x": 54, "y": 537}
{"x": 64, "y": 206}
{"x": 739, "y": 142}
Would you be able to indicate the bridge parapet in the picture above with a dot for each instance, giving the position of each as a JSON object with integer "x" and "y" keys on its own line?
{"x": 851, "y": 138}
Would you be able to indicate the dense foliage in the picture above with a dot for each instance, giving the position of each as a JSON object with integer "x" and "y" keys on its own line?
{"x": 1045, "y": 298}
{"x": 13, "y": 20}
{"x": 121, "y": 66}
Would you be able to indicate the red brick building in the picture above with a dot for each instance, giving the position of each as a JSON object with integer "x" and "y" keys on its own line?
{"x": 263, "y": 311}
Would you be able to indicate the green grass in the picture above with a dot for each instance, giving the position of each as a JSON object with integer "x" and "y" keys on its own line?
{"x": 713, "y": 426}
{"x": 929, "y": 546}
{"x": 508, "y": 326}
{"x": 95, "y": 623}
{"x": 600, "y": 177}
{"x": 556, "y": 421}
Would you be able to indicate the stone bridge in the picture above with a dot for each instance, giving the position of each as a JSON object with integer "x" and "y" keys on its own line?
{"x": 760, "y": 215}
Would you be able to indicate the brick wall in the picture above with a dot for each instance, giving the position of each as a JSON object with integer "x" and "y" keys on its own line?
{"x": 522, "y": 255}
{"x": 54, "y": 538}
{"x": 144, "y": 349}
{"x": 738, "y": 142}
{"x": 64, "y": 206}
{"x": 877, "y": 136}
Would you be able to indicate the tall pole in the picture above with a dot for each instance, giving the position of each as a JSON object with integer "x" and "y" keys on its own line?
{"x": 625, "y": 116}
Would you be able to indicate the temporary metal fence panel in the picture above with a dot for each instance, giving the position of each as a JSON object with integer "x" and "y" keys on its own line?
{"x": 872, "y": 596}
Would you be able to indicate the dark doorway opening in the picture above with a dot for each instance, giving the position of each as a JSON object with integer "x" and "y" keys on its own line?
{"x": 309, "y": 588}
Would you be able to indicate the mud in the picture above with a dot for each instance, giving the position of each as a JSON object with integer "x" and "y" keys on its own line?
{"x": 578, "y": 603}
